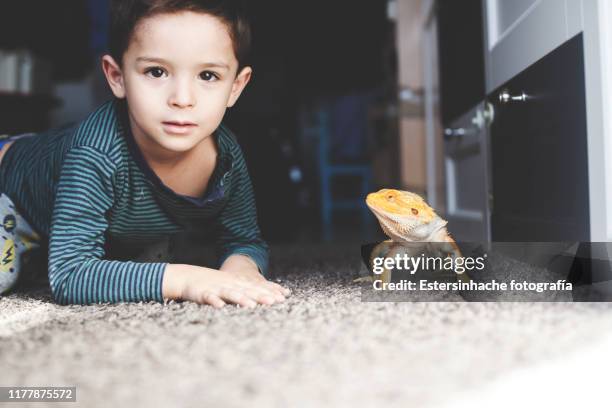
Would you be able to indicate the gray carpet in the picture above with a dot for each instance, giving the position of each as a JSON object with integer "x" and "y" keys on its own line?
{"x": 323, "y": 346}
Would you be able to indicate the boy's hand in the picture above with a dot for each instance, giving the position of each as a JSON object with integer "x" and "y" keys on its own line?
{"x": 246, "y": 269}
{"x": 210, "y": 286}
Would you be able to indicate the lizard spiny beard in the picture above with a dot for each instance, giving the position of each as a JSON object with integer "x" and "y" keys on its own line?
{"x": 397, "y": 230}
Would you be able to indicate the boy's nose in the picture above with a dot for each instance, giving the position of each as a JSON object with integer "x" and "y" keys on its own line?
{"x": 182, "y": 95}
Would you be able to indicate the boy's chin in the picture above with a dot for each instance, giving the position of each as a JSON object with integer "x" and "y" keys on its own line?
{"x": 180, "y": 144}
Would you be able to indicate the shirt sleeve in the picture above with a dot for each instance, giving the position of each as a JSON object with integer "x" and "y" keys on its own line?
{"x": 77, "y": 272}
{"x": 238, "y": 229}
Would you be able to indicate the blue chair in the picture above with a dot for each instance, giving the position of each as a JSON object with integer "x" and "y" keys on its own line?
{"x": 321, "y": 129}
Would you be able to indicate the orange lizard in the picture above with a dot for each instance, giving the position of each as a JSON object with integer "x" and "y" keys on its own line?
{"x": 406, "y": 217}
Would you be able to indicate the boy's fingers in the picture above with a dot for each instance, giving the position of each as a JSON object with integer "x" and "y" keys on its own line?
{"x": 238, "y": 298}
{"x": 213, "y": 300}
{"x": 283, "y": 290}
{"x": 265, "y": 295}
{"x": 281, "y": 287}
{"x": 278, "y": 293}
{"x": 263, "y": 285}
{"x": 271, "y": 287}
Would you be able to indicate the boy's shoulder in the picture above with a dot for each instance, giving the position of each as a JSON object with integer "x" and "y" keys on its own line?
{"x": 101, "y": 130}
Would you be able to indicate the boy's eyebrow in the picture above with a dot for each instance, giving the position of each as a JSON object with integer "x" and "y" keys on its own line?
{"x": 163, "y": 61}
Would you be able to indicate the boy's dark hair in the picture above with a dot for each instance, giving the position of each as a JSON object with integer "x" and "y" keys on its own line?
{"x": 126, "y": 14}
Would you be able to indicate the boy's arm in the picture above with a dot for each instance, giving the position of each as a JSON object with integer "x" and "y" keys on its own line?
{"x": 77, "y": 274}
{"x": 238, "y": 231}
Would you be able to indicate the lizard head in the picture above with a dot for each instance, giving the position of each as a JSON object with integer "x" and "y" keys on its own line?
{"x": 404, "y": 216}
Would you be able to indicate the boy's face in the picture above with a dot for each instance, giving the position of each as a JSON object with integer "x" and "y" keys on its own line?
{"x": 178, "y": 76}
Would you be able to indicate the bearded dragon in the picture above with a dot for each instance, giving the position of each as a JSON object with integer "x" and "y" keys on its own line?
{"x": 406, "y": 217}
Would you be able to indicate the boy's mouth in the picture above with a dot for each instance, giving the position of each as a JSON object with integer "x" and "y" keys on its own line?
{"x": 178, "y": 127}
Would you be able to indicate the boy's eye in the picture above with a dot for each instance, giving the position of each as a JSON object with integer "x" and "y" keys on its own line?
{"x": 209, "y": 76}
{"x": 155, "y": 72}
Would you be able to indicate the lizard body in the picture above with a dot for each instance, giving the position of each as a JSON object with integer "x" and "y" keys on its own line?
{"x": 406, "y": 217}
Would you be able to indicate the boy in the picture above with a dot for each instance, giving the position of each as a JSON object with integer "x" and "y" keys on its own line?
{"x": 148, "y": 164}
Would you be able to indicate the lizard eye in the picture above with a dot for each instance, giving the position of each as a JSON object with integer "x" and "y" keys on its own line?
{"x": 415, "y": 211}
{"x": 390, "y": 197}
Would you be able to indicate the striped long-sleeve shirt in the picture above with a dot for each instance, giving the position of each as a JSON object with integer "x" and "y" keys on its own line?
{"x": 86, "y": 186}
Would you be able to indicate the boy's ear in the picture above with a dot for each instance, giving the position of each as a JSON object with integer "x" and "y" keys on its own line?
{"x": 242, "y": 79}
{"x": 114, "y": 76}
